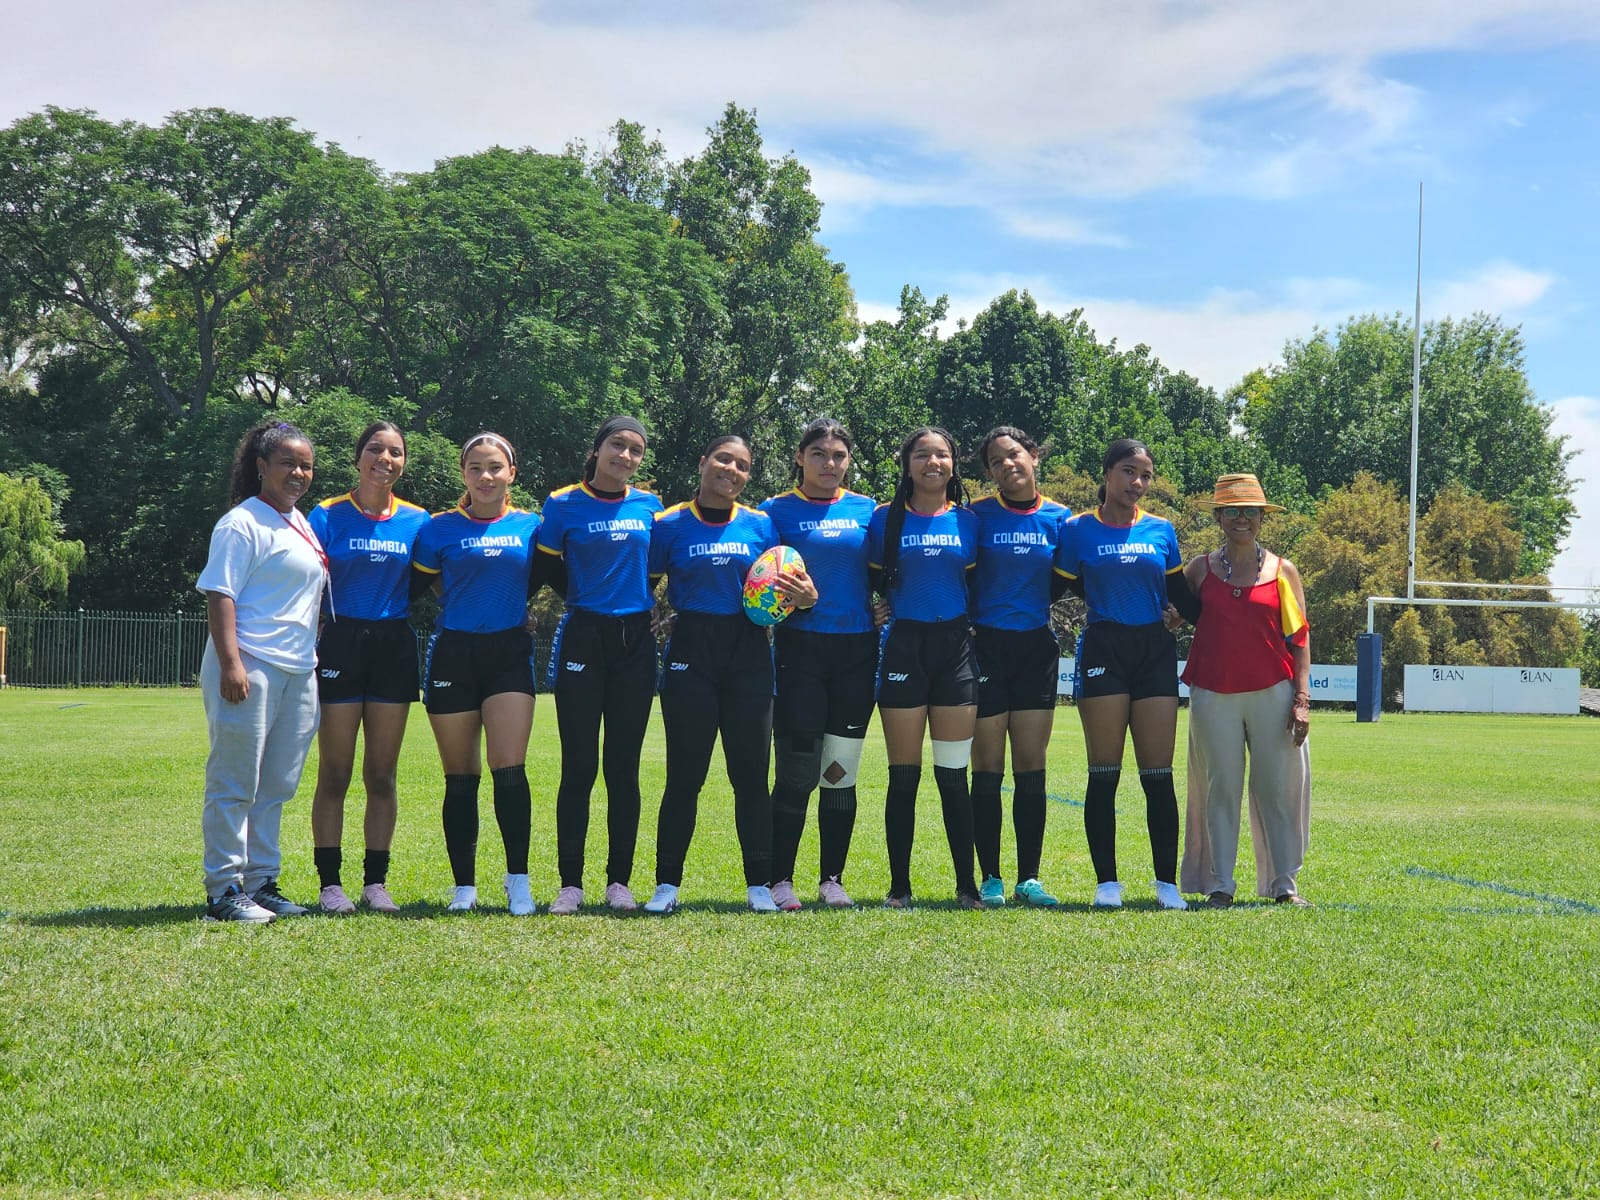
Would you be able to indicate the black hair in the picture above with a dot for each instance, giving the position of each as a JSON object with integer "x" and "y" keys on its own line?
{"x": 1004, "y": 431}
{"x": 955, "y": 492}
{"x": 263, "y": 441}
{"x": 622, "y": 423}
{"x": 493, "y": 439}
{"x": 1118, "y": 450}
{"x": 822, "y": 427}
{"x": 380, "y": 427}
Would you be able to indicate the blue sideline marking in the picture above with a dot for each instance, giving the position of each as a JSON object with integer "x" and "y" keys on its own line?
{"x": 1057, "y": 797}
{"x": 1576, "y": 905}
{"x": 79, "y": 704}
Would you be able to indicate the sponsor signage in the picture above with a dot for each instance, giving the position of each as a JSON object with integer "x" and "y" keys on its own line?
{"x": 1491, "y": 689}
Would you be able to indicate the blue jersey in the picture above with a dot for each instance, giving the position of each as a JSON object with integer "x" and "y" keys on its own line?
{"x": 483, "y": 566}
{"x": 369, "y": 558}
{"x": 831, "y": 535}
{"x": 705, "y": 564}
{"x": 606, "y": 544}
{"x": 1016, "y": 552}
{"x": 935, "y": 555}
{"x": 1123, "y": 567}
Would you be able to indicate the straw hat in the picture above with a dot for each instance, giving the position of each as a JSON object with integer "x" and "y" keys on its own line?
{"x": 1241, "y": 491}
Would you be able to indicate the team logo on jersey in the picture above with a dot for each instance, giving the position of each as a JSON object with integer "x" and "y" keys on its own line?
{"x": 377, "y": 558}
{"x": 1096, "y": 672}
{"x": 328, "y": 673}
{"x": 678, "y": 666}
{"x": 575, "y": 668}
{"x": 438, "y": 683}
{"x": 619, "y": 536}
{"x": 898, "y": 676}
{"x": 1128, "y": 558}
{"x": 492, "y": 551}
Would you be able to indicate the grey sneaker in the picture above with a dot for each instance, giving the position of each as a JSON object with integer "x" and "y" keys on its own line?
{"x": 619, "y": 898}
{"x": 376, "y": 897}
{"x": 234, "y": 905}
{"x": 783, "y": 896}
{"x": 275, "y": 902}
{"x": 333, "y": 900}
{"x": 831, "y": 892}
{"x": 567, "y": 902}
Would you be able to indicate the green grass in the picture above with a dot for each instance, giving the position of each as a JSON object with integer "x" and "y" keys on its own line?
{"x": 1418, "y": 1033}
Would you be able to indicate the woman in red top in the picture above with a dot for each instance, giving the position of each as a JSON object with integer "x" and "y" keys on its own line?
{"x": 1249, "y": 673}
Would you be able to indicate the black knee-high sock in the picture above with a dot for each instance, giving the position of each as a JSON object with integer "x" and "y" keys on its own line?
{"x": 986, "y": 820}
{"x": 956, "y": 802}
{"x": 328, "y": 860}
{"x": 461, "y": 827}
{"x": 513, "y": 812}
{"x": 374, "y": 867}
{"x": 1161, "y": 815}
{"x": 1100, "y": 820}
{"x": 836, "y": 824}
{"x": 1027, "y": 817}
{"x": 900, "y": 824}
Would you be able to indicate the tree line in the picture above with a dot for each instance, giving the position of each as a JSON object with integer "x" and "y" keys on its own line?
{"x": 162, "y": 287}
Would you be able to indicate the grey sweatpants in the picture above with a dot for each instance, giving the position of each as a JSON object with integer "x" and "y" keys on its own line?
{"x": 258, "y": 749}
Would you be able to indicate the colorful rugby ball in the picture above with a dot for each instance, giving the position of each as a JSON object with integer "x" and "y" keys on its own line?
{"x": 763, "y": 602}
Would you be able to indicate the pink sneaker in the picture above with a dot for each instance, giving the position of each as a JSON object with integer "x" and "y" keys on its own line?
{"x": 783, "y": 896}
{"x": 832, "y": 893}
{"x": 619, "y": 898}
{"x": 333, "y": 900}
{"x": 568, "y": 900}
{"x": 376, "y": 897}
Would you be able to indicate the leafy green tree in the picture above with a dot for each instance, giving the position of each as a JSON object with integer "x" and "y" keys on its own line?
{"x": 118, "y": 234}
{"x": 1341, "y": 403}
{"x": 35, "y": 559}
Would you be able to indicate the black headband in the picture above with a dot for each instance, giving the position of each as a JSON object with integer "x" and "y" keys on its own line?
{"x": 619, "y": 424}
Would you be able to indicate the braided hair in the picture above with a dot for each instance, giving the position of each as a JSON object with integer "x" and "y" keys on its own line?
{"x": 894, "y": 522}
{"x": 262, "y": 442}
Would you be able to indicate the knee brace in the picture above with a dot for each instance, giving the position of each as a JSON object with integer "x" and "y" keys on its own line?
{"x": 843, "y": 758}
{"x": 797, "y": 765}
{"x": 952, "y": 754}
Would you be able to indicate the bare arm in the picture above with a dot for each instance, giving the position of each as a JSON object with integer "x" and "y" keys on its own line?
{"x": 1300, "y": 713}
{"x": 222, "y": 622}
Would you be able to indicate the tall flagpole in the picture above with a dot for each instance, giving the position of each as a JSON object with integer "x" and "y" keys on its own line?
{"x": 1416, "y": 409}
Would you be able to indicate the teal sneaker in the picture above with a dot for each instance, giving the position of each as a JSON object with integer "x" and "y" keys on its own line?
{"x": 993, "y": 892}
{"x": 1032, "y": 893}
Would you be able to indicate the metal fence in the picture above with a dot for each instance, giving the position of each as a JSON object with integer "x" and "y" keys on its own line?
{"x": 120, "y": 649}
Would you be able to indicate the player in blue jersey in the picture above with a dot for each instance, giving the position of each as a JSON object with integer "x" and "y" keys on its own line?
{"x": 827, "y": 658}
{"x": 718, "y": 674}
{"x": 603, "y": 661}
{"x": 1125, "y": 563}
{"x": 1013, "y": 587}
{"x": 366, "y": 662}
{"x": 921, "y": 545}
{"x": 478, "y": 684}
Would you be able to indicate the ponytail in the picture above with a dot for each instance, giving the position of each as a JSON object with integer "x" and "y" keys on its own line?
{"x": 244, "y": 480}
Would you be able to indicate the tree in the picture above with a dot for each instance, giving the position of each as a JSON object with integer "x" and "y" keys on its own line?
{"x": 1341, "y": 404}
{"x": 35, "y": 560}
{"x": 116, "y": 234}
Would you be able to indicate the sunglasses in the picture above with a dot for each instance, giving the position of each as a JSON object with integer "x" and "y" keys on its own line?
{"x": 1233, "y": 511}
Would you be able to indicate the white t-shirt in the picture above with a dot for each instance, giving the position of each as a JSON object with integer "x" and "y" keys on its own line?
{"x": 271, "y": 565}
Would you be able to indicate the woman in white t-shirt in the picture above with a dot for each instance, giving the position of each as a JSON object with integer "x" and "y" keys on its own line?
{"x": 263, "y": 586}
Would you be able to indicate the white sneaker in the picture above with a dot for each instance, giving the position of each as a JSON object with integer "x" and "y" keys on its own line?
{"x": 664, "y": 900}
{"x": 1168, "y": 896}
{"x": 518, "y": 896}
{"x": 619, "y": 898}
{"x": 759, "y": 898}
{"x": 333, "y": 900}
{"x": 1108, "y": 895}
{"x": 567, "y": 902}
{"x": 463, "y": 899}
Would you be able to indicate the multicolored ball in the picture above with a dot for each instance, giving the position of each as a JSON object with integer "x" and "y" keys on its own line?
{"x": 763, "y": 602}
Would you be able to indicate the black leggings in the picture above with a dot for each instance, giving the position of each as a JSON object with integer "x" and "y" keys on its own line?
{"x": 718, "y": 679}
{"x": 605, "y": 669}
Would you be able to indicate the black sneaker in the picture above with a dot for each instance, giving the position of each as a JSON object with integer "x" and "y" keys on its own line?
{"x": 275, "y": 902}
{"x": 234, "y": 905}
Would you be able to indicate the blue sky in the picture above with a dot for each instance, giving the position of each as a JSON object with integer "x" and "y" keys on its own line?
{"x": 1211, "y": 179}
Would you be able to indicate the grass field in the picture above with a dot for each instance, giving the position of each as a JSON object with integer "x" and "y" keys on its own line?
{"x": 1431, "y": 1028}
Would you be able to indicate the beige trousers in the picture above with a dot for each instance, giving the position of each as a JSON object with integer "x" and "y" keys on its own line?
{"x": 1222, "y": 726}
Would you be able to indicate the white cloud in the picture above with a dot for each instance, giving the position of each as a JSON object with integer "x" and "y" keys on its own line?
{"x": 1496, "y": 287}
{"x": 1046, "y": 227}
{"x": 1578, "y": 418}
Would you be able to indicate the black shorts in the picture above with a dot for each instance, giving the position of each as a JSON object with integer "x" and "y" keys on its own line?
{"x": 593, "y": 653}
{"x": 465, "y": 669}
{"x": 1018, "y": 669}
{"x": 359, "y": 661}
{"x": 927, "y": 663}
{"x": 730, "y": 656}
{"x": 825, "y": 682}
{"x": 1136, "y": 661}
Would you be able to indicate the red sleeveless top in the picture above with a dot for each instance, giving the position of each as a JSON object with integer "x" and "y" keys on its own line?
{"x": 1239, "y": 643}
